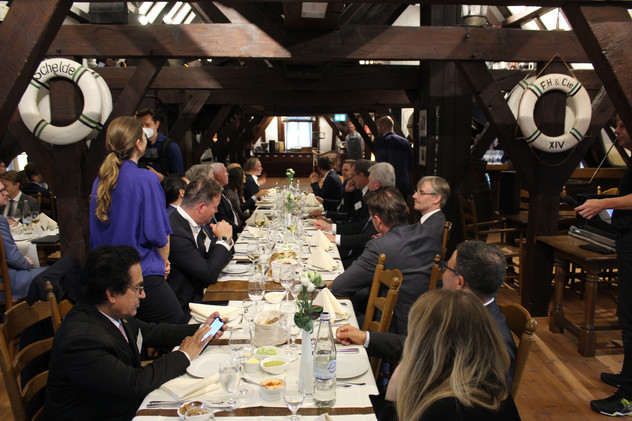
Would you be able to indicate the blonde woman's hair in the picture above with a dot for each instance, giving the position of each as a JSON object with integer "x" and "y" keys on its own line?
{"x": 453, "y": 349}
{"x": 121, "y": 137}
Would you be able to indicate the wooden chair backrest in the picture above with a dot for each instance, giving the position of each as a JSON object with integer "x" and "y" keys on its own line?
{"x": 523, "y": 326}
{"x": 47, "y": 204}
{"x": 446, "y": 236}
{"x": 18, "y": 318}
{"x": 435, "y": 275}
{"x": 613, "y": 190}
{"x": 469, "y": 219}
{"x": 5, "y": 283}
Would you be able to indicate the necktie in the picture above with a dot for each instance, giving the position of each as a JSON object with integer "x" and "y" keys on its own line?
{"x": 120, "y": 327}
{"x": 200, "y": 240}
{"x": 11, "y": 208}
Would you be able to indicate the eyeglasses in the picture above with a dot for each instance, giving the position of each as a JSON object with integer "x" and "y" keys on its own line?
{"x": 138, "y": 288}
{"x": 423, "y": 193}
{"x": 444, "y": 267}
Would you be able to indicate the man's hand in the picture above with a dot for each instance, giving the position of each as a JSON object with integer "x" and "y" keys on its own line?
{"x": 160, "y": 176}
{"x": 319, "y": 199}
{"x": 322, "y": 225}
{"x": 590, "y": 208}
{"x": 193, "y": 345}
{"x": 331, "y": 237}
{"x": 262, "y": 193}
{"x": 315, "y": 213}
{"x": 314, "y": 177}
{"x": 348, "y": 335}
{"x": 210, "y": 321}
{"x": 222, "y": 228}
{"x": 262, "y": 179}
{"x": 350, "y": 186}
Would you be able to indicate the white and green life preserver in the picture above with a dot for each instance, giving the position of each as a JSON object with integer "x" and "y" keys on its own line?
{"x": 34, "y": 102}
{"x": 578, "y": 114}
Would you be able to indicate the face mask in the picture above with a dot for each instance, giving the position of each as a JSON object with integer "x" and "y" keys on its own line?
{"x": 148, "y": 132}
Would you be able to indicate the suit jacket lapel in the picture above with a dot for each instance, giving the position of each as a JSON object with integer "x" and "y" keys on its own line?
{"x": 129, "y": 348}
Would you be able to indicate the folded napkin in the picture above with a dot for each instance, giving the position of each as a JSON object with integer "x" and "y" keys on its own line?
{"x": 201, "y": 312}
{"x": 331, "y": 305}
{"x": 253, "y": 217}
{"x": 185, "y": 388}
{"x": 311, "y": 201}
{"x": 272, "y": 191}
{"x": 45, "y": 223}
{"x": 322, "y": 260}
{"x": 255, "y": 232}
{"x": 319, "y": 239}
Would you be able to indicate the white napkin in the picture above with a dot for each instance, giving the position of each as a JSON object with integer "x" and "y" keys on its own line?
{"x": 272, "y": 191}
{"x": 45, "y": 223}
{"x": 331, "y": 305}
{"x": 201, "y": 312}
{"x": 319, "y": 239}
{"x": 185, "y": 388}
{"x": 322, "y": 260}
{"x": 255, "y": 232}
{"x": 323, "y": 417}
{"x": 253, "y": 217}
{"x": 311, "y": 201}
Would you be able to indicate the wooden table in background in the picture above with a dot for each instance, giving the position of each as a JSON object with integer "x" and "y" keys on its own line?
{"x": 566, "y": 249}
{"x": 233, "y": 290}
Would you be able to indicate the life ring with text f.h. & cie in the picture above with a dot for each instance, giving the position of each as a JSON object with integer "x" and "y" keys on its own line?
{"x": 34, "y": 102}
{"x": 578, "y": 106}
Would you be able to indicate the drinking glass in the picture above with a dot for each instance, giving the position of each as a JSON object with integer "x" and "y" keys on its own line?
{"x": 240, "y": 345}
{"x": 254, "y": 254}
{"x": 293, "y": 395}
{"x": 286, "y": 317}
{"x": 287, "y": 276}
{"x": 229, "y": 379}
{"x": 256, "y": 288}
{"x": 260, "y": 220}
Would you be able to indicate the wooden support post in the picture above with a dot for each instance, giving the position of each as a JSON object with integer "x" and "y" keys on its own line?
{"x": 368, "y": 120}
{"x": 483, "y": 142}
{"x": 207, "y": 137}
{"x": 183, "y": 124}
{"x": 27, "y": 32}
{"x": 337, "y": 133}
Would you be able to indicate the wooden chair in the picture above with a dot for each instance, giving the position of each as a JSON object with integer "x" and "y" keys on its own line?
{"x": 46, "y": 204}
{"x": 436, "y": 273}
{"x": 391, "y": 279}
{"x": 5, "y": 282}
{"x": 473, "y": 229}
{"x": 611, "y": 191}
{"x": 446, "y": 236}
{"x": 523, "y": 326}
{"x": 18, "y": 318}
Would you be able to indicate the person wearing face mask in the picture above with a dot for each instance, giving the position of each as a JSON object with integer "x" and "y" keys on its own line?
{"x": 162, "y": 156}
{"x": 127, "y": 207}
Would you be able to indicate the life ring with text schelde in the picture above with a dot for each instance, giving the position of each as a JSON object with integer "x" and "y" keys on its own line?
{"x": 91, "y": 115}
{"x": 577, "y": 100}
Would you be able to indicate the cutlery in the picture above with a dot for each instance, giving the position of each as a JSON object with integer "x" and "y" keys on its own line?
{"x": 348, "y": 350}
{"x": 346, "y": 385}
{"x": 250, "y": 381}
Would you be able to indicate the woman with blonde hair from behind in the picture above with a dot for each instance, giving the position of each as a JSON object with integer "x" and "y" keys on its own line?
{"x": 127, "y": 207}
{"x": 454, "y": 362}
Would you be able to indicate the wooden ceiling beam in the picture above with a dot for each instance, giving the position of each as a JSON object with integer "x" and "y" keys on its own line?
{"x": 628, "y": 3}
{"x": 207, "y": 137}
{"x": 514, "y": 21}
{"x": 209, "y": 12}
{"x": 605, "y": 35}
{"x": 351, "y": 42}
{"x": 191, "y": 109}
{"x": 334, "y": 127}
{"x": 27, "y": 31}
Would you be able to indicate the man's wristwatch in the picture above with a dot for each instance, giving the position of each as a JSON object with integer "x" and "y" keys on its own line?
{"x": 227, "y": 240}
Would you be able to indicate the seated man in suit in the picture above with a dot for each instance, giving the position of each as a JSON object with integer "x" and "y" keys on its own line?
{"x": 225, "y": 210}
{"x": 95, "y": 366}
{"x": 351, "y": 237}
{"x": 350, "y": 194}
{"x": 12, "y": 182}
{"x": 430, "y": 197}
{"x": 174, "y": 190}
{"x": 409, "y": 248}
{"x": 475, "y": 265}
{"x": 35, "y": 183}
{"x": 197, "y": 255}
{"x": 331, "y": 190}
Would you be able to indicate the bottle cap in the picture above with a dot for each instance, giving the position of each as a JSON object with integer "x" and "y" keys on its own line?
{"x": 324, "y": 317}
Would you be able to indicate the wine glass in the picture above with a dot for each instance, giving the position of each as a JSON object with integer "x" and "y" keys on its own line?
{"x": 286, "y": 310}
{"x": 254, "y": 253}
{"x": 240, "y": 345}
{"x": 256, "y": 288}
{"x": 293, "y": 395}
{"x": 287, "y": 276}
{"x": 229, "y": 379}
{"x": 260, "y": 220}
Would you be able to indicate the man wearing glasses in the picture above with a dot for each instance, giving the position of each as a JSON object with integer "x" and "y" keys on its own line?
{"x": 95, "y": 366}
{"x": 430, "y": 197}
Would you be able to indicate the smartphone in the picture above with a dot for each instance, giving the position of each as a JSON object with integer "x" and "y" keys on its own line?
{"x": 215, "y": 327}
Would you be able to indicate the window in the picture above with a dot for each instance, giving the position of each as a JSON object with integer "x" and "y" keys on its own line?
{"x": 298, "y": 133}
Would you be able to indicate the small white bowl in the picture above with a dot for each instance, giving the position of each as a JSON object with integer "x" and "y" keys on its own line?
{"x": 272, "y": 393}
{"x": 252, "y": 367}
{"x": 274, "y": 297}
{"x": 188, "y": 405}
{"x": 275, "y": 369}
{"x": 272, "y": 349}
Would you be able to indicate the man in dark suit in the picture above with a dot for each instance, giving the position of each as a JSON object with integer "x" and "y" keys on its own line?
{"x": 390, "y": 147}
{"x": 11, "y": 181}
{"x": 198, "y": 255}
{"x": 409, "y": 248}
{"x": 174, "y": 190}
{"x": 430, "y": 197}
{"x": 475, "y": 265}
{"x": 95, "y": 366}
{"x": 331, "y": 190}
{"x": 35, "y": 183}
{"x": 225, "y": 210}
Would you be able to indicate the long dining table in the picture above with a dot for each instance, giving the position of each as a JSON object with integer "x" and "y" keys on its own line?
{"x": 352, "y": 402}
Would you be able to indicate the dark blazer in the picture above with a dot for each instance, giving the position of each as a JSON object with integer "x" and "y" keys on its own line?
{"x": 239, "y": 206}
{"x": 451, "y": 409}
{"x": 331, "y": 191}
{"x": 397, "y": 151}
{"x": 250, "y": 186}
{"x": 389, "y": 346}
{"x": 192, "y": 270}
{"x": 33, "y": 204}
{"x": 96, "y": 375}
{"x": 436, "y": 223}
{"x": 353, "y": 239}
{"x": 354, "y": 208}
{"x": 409, "y": 248}
{"x": 225, "y": 213}
{"x": 34, "y": 188}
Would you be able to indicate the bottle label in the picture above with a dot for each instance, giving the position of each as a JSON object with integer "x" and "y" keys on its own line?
{"x": 326, "y": 373}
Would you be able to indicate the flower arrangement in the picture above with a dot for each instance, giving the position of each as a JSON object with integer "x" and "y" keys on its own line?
{"x": 303, "y": 317}
{"x": 289, "y": 173}
{"x": 290, "y": 201}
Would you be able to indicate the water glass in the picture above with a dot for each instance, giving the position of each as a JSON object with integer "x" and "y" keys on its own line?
{"x": 286, "y": 320}
{"x": 241, "y": 348}
{"x": 293, "y": 395}
{"x": 256, "y": 288}
{"x": 287, "y": 276}
{"x": 229, "y": 379}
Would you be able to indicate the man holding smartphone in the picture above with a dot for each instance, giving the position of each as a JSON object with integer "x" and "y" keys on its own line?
{"x": 95, "y": 366}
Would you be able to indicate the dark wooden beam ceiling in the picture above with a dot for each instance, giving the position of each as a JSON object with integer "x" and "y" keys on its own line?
{"x": 628, "y": 3}
{"x": 351, "y": 42}
{"x": 514, "y": 21}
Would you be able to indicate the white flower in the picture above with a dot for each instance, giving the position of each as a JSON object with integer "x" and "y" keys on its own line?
{"x": 306, "y": 282}
{"x": 310, "y": 287}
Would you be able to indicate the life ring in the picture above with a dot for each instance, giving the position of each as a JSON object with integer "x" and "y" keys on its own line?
{"x": 577, "y": 100}
{"x": 91, "y": 115}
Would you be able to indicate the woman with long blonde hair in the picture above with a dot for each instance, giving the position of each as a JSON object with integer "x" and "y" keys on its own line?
{"x": 127, "y": 207}
{"x": 454, "y": 362}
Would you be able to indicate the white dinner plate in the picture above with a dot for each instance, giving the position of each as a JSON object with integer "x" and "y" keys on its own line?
{"x": 205, "y": 365}
{"x": 349, "y": 365}
{"x": 236, "y": 268}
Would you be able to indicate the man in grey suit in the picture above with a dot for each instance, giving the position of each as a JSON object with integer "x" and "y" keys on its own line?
{"x": 11, "y": 181}
{"x": 430, "y": 197}
{"x": 409, "y": 248}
